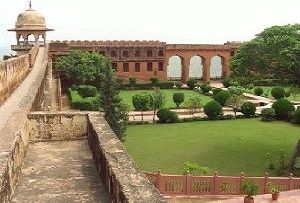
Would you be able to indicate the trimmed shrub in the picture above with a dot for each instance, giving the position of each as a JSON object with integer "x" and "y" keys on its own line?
{"x": 297, "y": 116}
{"x": 142, "y": 101}
{"x": 227, "y": 82}
{"x": 191, "y": 83}
{"x": 154, "y": 81}
{"x": 268, "y": 114}
{"x": 216, "y": 91}
{"x": 258, "y": 91}
{"x": 167, "y": 116}
{"x": 148, "y": 86}
{"x": 248, "y": 109}
{"x": 222, "y": 97}
{"x": 213, "y": 109}
{"x": 178, "y": 98}
{"x": 205, "y": 87}
{"x": 87, "y": 90}
{"x": 132, "y": 81}
{"x": 287, "y": 93}
{"x": 283, "y": 108}
{"x": 178, "y": 85}
{"x": 84, "y": 104}
{"x": 278, "y": 92}
{"x": 250, "y": 86}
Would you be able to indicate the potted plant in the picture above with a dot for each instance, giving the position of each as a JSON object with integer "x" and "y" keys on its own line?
{"x": 274, "y": 190}
{"x": 249, "y": 188}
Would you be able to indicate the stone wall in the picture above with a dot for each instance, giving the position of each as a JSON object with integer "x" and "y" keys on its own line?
{"x": 13, "y": 72}
{"x": 45, "y": 126}
{"x": 14, "y": 136}
{"x": 124, "y": 181}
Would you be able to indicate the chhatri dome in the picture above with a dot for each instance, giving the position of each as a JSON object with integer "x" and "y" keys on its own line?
{"x": 29, "y": 22}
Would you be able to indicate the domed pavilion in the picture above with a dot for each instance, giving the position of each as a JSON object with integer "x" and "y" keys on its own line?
{"x": 28, "y": 23}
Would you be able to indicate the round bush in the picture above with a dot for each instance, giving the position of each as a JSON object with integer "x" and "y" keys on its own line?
{"x": 283, "y": 108}
{"x": 227, "y": 82}
{"x": 191, "y": 83}
{"x": 222, "y": 97}
{"x": 287, "y": 93}
{"x": 213, "y": 109}
{"x": 248, "y": 109}
{"x": 87, "y": 90}
{"x": 297, "y": 116}
{"x": 216, "y": 91}
{"x": 167, "y": 116}
{"x": 278, "y": 92}
{"x": 267, "y": 114}
{"x": 258, "y": 91}
{"x": 142, "y": 101}
{"x": 178, "y": 98}
{"x": 205, "y": 88}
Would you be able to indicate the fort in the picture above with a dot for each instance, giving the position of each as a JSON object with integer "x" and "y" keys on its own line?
{"x": 39, "y": 143}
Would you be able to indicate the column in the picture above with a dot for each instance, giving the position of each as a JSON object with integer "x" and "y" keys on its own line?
{"x": 185, "y": 70}
{"x": 225, "y": 68}
{"x": 206, "y": 69}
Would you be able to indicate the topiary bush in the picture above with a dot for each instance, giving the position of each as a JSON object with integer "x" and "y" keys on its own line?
{"x": 87, "y": 90}
{"x": 205, "y": 87}
{"x": 248, "y": 109}
{"x": 283, "y": 108}
{"x": 191, "y": 83}
{"x": 213, "y": 109}
{"x": 132, "y": 81}
{"x": 278, "y": 92}
{"x": 258, "y": 91}
{"x": 287, "y": 93}
{"x": 154, "y": 81}
{"x": 142, "y": 101}
{"x": 216, "y": 91}
{"x": 167, "y": 116}
{"x": 222, "y": 97}
{"x": 178, "y": 98}
{"x": 268, "y": 114}
{"x": 227, "y": 82}
{"x": 297, "y": 116}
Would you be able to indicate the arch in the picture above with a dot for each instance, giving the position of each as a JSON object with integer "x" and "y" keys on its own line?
{"x": 30, "y": 38}
{"x": 174, "y": 69}
{"x": 196, "y": 67}
{"x": 216, "y": 67}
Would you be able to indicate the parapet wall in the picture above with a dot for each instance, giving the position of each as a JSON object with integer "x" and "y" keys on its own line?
{"x": 13, "y": 72}
{"x": 125, "y": 182}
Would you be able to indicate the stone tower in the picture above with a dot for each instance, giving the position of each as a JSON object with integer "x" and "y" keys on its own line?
{"x": 28, "y": 23}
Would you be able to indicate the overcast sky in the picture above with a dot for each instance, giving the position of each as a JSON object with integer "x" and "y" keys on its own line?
{"x": 172, "y": 21}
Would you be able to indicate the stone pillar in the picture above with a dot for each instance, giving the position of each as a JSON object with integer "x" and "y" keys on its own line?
{"x": 185, "y": 70}
{"x": 225, "y": 68}
{"x": 206, "y": 69}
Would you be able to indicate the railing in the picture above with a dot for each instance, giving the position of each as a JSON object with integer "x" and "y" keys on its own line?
{"x": 216, "y": 185}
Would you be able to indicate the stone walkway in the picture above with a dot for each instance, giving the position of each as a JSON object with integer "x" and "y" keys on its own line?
{"x": 60, "y": 172}
{"x": 21, "y": 94}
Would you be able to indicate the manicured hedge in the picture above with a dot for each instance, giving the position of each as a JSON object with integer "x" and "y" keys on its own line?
{"x": 147, "y": 86}
{"x": 167, "y": 116}
{"x": 87, "y": 90}
{"x": 84, "y": 104}
{"x": 283, "y": 108}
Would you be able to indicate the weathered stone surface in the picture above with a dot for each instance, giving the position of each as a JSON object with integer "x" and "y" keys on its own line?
{"x": 125, "y": 182}
{"x": 60, "y": 172}
{"x": 57, "y": 126}
{"x": 13, "y": 126}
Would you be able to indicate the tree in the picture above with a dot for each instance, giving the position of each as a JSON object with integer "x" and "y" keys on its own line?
{"x": 84, "y": 67}
{"x": 142, "y": 102}
{"x": 236, "y": 98}
{"x": 178, "y": 98}
{"x": 273, "y": 53}
{"x": 132, "y": 81}
{"x": 158, "y": 100}
{"x": 294, "y": 91}
{"x": 193, "y": 104}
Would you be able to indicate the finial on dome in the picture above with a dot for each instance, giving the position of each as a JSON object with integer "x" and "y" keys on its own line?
{"x": 30, "y": 5}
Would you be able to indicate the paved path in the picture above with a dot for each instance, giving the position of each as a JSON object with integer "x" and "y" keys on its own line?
{"x": 60, "y": 172}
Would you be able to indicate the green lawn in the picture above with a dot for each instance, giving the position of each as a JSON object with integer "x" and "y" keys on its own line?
{"x": 127, "y": 95}
{"x": 268, "y": 89}
{"x": 228, "y": 147}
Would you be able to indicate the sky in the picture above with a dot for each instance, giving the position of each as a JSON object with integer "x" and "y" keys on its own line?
{"x": 171, "y": 21}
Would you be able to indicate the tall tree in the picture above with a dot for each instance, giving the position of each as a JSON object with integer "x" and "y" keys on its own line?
{"x": 83, "y": 67}
{"x": 273, "y": 53}
{"x": 158, "y": 100}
